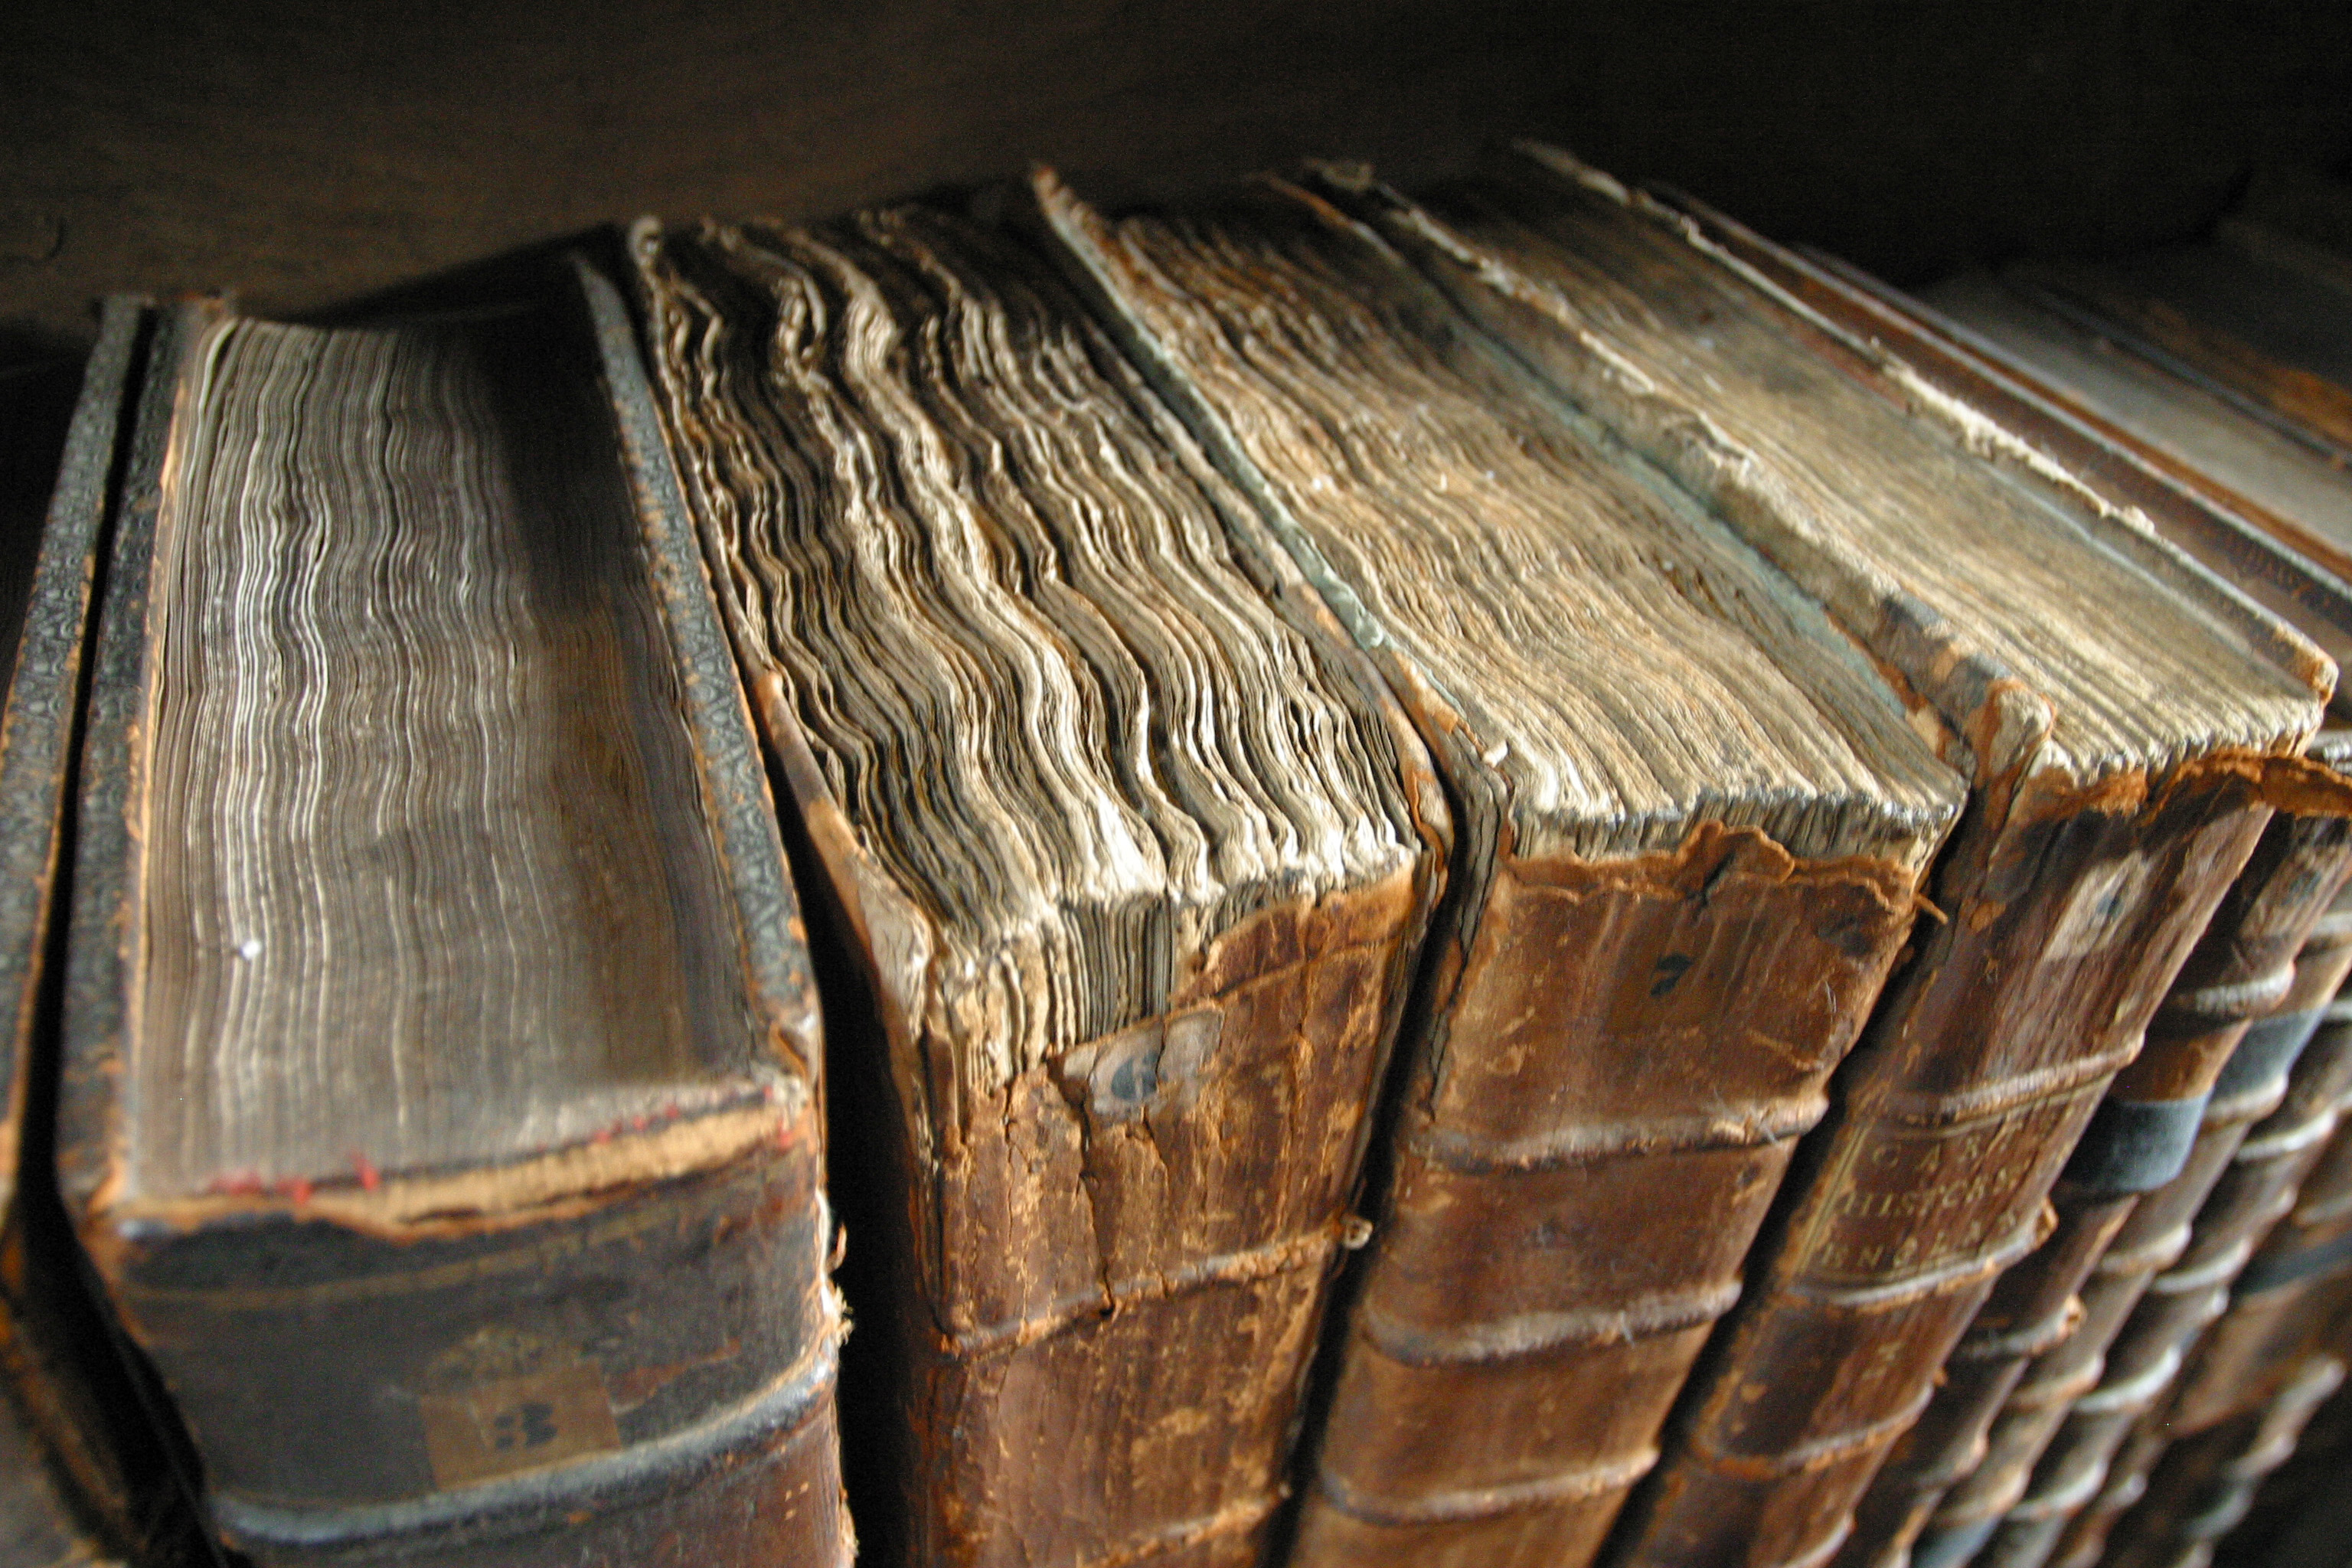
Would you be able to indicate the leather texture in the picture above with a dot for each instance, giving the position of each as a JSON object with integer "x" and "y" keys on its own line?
{"x": 1538, "y": 1295}
{"x": 550, "y": 1368}
{"x": 2244, "y": 967}
{"x": 1981, "y": 1072}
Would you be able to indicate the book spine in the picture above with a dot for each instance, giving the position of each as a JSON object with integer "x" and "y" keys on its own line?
{"x": 1129, "y": 1384}
{"x": 2095, "y": 1465}
{"x": 2297, "y": 1279}
{"x": 2150, "y": 1241}
{"x": 608, "y": 1387}
{"x": 53, "y": 1352}
{"x": 638, "y": 1371}
{"x": 2091, "y": 1388}
{"x": 1980, "y": 1076}
{"x": 1538, "y": 1291}
{"x": 2157, "y": 1110}
{"x": 2032, "y": 1311}
{"x": 2207, "y": 1481}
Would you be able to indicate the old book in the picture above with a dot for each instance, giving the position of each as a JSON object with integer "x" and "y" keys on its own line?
{"x": 1128, "y": 851}
{"x": 2165, "y": 1278}
{"x": 2256, "y": 324}
{"x": 2098, "y": 1466}
{"x": 2245, "y": 1005}
{"x": 2221, "y": 1045}
{"x": 2180, "y": 425}
{"x": 1693, "y": 822}
{"x": 2243, "y": 460}
{"x": 83, "y": 1480}
{"x": 2257, "y": 1375}
{"x": 2125, "y": 761}
{"x": 441, "y": 1103}
{"x": 2206, "y": 1481}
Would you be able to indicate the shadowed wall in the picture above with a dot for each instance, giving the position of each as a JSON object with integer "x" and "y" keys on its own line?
{"x": 305, "y": 151}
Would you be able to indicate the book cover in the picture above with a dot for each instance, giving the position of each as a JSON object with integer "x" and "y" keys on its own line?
{"x": 1934, "y": 537}
{"x": 441, "y": 1100}
{"x": 1126, "y": 858}
{"x": 1693, "y": 827}
{"x": 88, "y": 1481}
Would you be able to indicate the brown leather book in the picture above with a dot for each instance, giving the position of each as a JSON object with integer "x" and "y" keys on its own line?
{"x": 2164, "y": 1280}
{"x": 1992, "y": 1416}
{"x": 441, "y": 1100}
{"x": 83, "y": 1477}
{"x": 2223, "y": 1041}
{"x": 1932, "y": 534}
{"x": 2292, "y": 1510}
{"x": 2206, "y": 1482}
{"x": 2096, "y": 1468}
{"x": 2172, "y": 418}
{"x": 1692, "y": 825}
{"x": 1128, "y": 856}
{"x": 2190, "y": 1469}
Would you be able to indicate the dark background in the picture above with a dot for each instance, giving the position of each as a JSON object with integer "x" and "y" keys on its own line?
{"x": 302, "y": 152}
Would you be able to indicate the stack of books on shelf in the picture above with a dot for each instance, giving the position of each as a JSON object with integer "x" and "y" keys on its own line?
{"x": 1494, "y": 876}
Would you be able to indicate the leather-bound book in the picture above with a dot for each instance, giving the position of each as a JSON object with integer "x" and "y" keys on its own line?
{"x": 2223, "y": 1043}
{"x": 2123, "y": 760}
{"x": 2256, "y": 1376}
{"x": 2166, "y": 1279}
{"x": 2297, "y": 1283}
{"x": 1692, "y": 823}
{"x": 2252, "y": 464}
{"x": 2257, "y": 324}
{"x": 2206, "y": 1482}
{"x": 441, "y": 1105}
{"x": 1127, "y": 854}
{"x": 80, "y": 1477}
{"x": 2205, "y": 1338}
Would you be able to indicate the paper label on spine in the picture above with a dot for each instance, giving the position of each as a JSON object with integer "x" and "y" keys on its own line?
{"x": 500, "y": 1403}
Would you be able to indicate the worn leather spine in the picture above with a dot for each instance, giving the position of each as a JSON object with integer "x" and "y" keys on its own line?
{"x": 2212, "y": 526}
{"x": 2135, "y": 1306}
{"x": 1836, "y": 1352}
{"x": 2098, "y": 1466}
{"x": 86, "y": 1479}
{"x": 1536, "y": 1274}
{"x": 2164, "y": 1130}
{"x": 2258, "y": 1376}
{"x": 2204, "y": 1486}
{"x": 2032, "y": 1310}
{"x": 1108, "y": 1273}
{"x": 1992, "y": 1051}
{"x": 617, "y": 1351}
